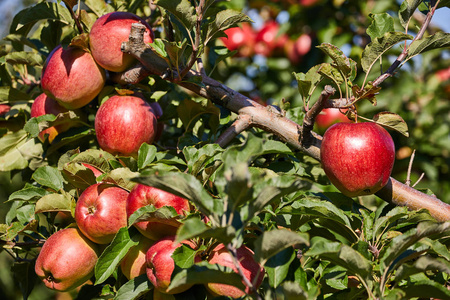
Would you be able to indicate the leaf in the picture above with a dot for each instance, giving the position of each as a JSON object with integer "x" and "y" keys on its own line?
{"x": 271, "y": 242}
{"x": 381, "y": 24}
{"x": 146, "y": 155}
{"x": 425, "y": 289}
{"x": 108, "y": 261}
{"x": 225, "y": 19}
{"x": 148, "y": 212}
{"x": 28, "y": 193}
{"x": 308, "y": 82}
{"x": 121, "y": 177}
{"x": 190, "y": 228}
{"x": 50, "y": 177}
{"x": 422, "y": 264}
{"x": 95, "y": 157}
{"x": 332, "y": 73}
{"x": 183, "y": 10}
{"x": 16, "y": 151}
{"x": 78, "y": 175}
{"x": 379, "y": 46}
{"x": 435, "y": 41}
{"x": 277, "y": 267}
{"x": 11, "y": 94}
{"x": 345, "y": 65}
{"x": 407, "y": 9}
{"x": 25, "y": 276}
{"x": 134, "y": 288}
{"x": 198, "y": 159}
{"x": 54, "y": 202}
{"x": 186, "y": 186}
{"x": 24, "y": 58}
{"x": 392, "y": 121}
{"x": 184, "y": 257}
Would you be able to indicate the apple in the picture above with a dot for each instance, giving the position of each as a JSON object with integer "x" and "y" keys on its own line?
{"x": 107, "y": 35}
{"x": 67, "y": 260}
{"x": 328, "y": 117}
{"x": 123, "y": 124}
{"x": 157, "y": 110}
{"x": 155, "y": 228}
{"x": 4, "y": 108}
{"x": 72, "y": 77}
{"x": 63, "y": 219}
{"x": 443, "y": 74}
{"x": 240, "y": 38}
{"x": 357, "y": 157}
{"x": 268, "y": 39}
{"x": 308, "y": 2}
{"x": 100, "y": 212}
{"x": 160, "y": 264}
{"x": 94, "y": 170}
{"x": 134, "y": 264}
{"x": 44, "y": 105}
{"x": 251, "y": 270}
{"x": 296, "y": 49}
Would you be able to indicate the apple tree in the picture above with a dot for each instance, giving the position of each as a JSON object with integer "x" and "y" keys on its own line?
{"x": 172, "y": 149}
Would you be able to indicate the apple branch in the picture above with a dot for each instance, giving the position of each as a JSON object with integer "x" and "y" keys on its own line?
{"x": 404, "y": 54}
{"x": 241, "y": 124}
{"x": 273, "y": 121}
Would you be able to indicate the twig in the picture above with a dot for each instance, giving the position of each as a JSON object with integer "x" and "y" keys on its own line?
{"x": 408, "y": 175}
{"x": 242, "y": 123}
{"x": 404, "y": 54}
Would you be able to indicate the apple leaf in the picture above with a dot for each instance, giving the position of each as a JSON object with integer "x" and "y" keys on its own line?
{"x": 392, "y": 121}
{"x": 18, "y": 227}
{"x": 190, "y": 228}
{"x": 10, "y": 94}
{"x": 271, "y": 242}
{"x": 28, "y": 193}
{"x": 78, "y": 175}
{"x": 50, "y": 177}
{"x": 331, "y": 72}
{"x": 435, "y": 41}
{"x": 379, "y": 46}
{"x": 345, "y": 65}
{"x": 146, "y": 155}
{"x": 308, "y": 82}
{"x": 167, "y": 213}
{"x": 54, "y": 202}
{"x": 277, "y": 267}
{"x": 407, "y": 9}
{"x": 423, "y": 264}
{"x": 108, "y": 261}
{"x": 98, "y": 7}
{"x": 134, "y": 288}
{"x": 381, "y": 23}
{"x": 198, "y": 159}
{"x": 422, "y": 289}
{"x": 121, "y": 177}
{"x": 183, "y": 10}
{"x": 184, "y": 256}
{"x": 95, "y": 157}
{"x": 293, "y": 290}
{"x": 16, "y": 151}
{"x": 24, "y": 58}
{"x": 203, "y": 273}
{"x": 25, "y": 276}
{"x": 225, "y": 19}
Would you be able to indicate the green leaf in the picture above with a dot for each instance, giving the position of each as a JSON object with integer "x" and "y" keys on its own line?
{"x": 24, "y": 58}
{"x": 392, "y": 121}
{"x": 291, "y": 290}
{"x": 16, "y": 151}
{"x": 54, "y": 202}
{"x": 198, "y": 159}
{"x": 425, "y": 289}
{"x": 345, "y": 65}
{"x": 28, "y": 193}
{"x": 146, "y": 155}
{"x": 25, "y": 276}
{"x": 186, "y": 186}
{"x": 435, "y": 41}
{"x": 277, "y": 267}
{"x": 381, "y": 24}
{"x": 134, "y": 289}
{"x": 331, "y": 72}
{"x": 225, "y": 19}
{"x": 184, "y": 257}
{"x": 422, "y": 264}
{"x": 308, "y": 82}
{"x": 190, "y": 228}
{"x": 271, "y": 242}
{"x": 148, "y": 212}
{"x": 406, "y": 11}
{"x": 183, "y": 10}
{"x": 99, "y": 7}
{"x": 11, "y": 94}
{"x": 50, "y": 177}
{"x": 121, "y": 177}
{"x": 108, "y": 261}
{"x": 95, "y": 157}
{"x": 379, "y": 46}
{"x": 78, "y": 175}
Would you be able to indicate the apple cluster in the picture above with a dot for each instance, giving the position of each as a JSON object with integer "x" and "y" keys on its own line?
{"x": 267, "y": 41}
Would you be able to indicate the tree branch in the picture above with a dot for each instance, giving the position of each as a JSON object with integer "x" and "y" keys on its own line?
{"x": 274, "y": 121}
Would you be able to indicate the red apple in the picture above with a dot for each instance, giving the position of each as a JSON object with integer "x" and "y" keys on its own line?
{"x": 295, "y": 50}
{"x": 328, "y": 117}
{"x": 107, "y": 35}
{"x": 240, "y": 38}
{"x": 66, "y": 260}
{"x": 4, "y": 108}
{"x": 158, "y": 113}
{"x": 357, "y": 157}
{"x": 268, "y": 39}
{"x": 44, "y": 105}
{"x": 94, "y": 170}
{"x": 123, "y": 124}
{"x": 72, "y": 77}
{"x": 155, "y": 228}
{"x": 251, "y": 269}
{"x": 160, "y": 264}
{"x": 100, "y": 212}
{"x": 443, "y": 75}
{"x": 308, "y": 2}
{"x": 134, "y": 264}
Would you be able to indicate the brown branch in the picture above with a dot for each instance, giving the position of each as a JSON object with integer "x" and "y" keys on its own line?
{"x": 241, "y": 124}
{"x": 273, "y": 121}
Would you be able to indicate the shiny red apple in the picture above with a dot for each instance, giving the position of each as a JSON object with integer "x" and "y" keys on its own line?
{"x": 160, "y": 264}
{"x": 72, "y": 77}
{"x": 123, "y": 124}
{"x": 155, "y": 228}
{"x": 134, "y": 264}
{"x": 66, "y": 260}
{"x": 107, "y": 35}
{"x": 357, "y": 157}
{"x": 100, "y": 212}
{"x": 251, "y": 269}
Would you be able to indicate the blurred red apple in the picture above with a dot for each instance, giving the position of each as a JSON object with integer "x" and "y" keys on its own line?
{"x": 155, "y": 228}
{"x": 240, "y": 38}
{"x": 72, "y": 77}
{"x": 4, "y": 108}
{"x": 328, "y": 117}
{"x": 269, "y": 39}
{"x": 251, "y": 269}
{"x": 308, "y": 2}
{"x": 107, "y": 35}
{"x": 67, "y": 260}
{"x": 123, "y": 124}
{"x": 100, "y": 212}
{"x": 160, "y": 264}
{"x": 357, "y": 157}
{"x": 295, "y": 50}
{"x": 134, "y": 264}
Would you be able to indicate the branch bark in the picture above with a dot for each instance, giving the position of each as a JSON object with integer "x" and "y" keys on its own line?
{"x": 272, "y": 120}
